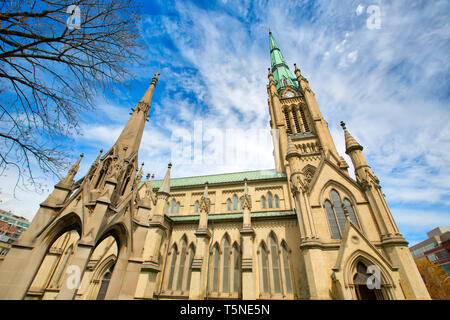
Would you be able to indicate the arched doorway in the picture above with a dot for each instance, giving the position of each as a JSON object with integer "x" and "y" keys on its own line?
{"x": 361, "y": 281}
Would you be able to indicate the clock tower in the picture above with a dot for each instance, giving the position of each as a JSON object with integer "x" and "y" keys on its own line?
{"x": 295, "y": 116}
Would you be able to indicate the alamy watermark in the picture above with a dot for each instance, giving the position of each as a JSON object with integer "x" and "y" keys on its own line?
{"x": 373, "y": 282}
{"x": 73, "y": 281}
{"x": 207, "y": 145}
{"x": 74, "y": 20}
{"x": 374, "y": 20}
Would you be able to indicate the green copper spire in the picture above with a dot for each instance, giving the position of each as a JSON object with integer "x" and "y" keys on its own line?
{"x": 281, "y": 73}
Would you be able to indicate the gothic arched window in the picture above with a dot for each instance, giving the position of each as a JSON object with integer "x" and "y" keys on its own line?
{"x": 288, "y": 124}
{"x": 235, "y": 202}
{"x": 277, "y": 201}
{"x": 269, "y": 199}
{"x": 263, "y": 202}
{"x": 191, "y": 259}
{"x": 172, "y": 267}
{"x": 181, "y": 264}
{"x": 172, "y": 208}
{"x": 350, "y": 211}
{"x": 275, "y": 264}
{"x": 226, "y": 265}
{"x": 335, "y": 234}
{"x": 286, "y": 268}
{"x": 338, "y": 209}
{"x": 196, "y": 206}
{"x": 216, "y": 266}
{"x": 264, "y": 268}
{"x": 305, "y": 123}
{"x": 229, "y": 204}
{"x": 167, "y": 208}
{"x": 236, "y": 268}
{"x": 178, "y": 207}
{"x": 336, "y": 215}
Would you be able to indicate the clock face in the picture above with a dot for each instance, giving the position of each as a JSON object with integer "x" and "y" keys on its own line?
{"x": 289, "y": 94}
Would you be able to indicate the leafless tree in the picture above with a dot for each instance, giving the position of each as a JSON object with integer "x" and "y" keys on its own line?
{"x": 55, "y": 56}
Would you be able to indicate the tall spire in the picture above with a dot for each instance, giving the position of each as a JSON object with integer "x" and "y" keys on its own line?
{"x": 130, "y": 138}
{"x": 282, "y": 75}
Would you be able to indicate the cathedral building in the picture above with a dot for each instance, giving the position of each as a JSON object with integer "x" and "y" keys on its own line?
{"x": 304, "y": 230}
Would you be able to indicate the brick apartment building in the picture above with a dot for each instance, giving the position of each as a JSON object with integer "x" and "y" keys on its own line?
{"x": 436, "y": 248}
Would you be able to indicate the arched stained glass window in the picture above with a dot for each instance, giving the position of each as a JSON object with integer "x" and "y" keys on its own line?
{"x": 235, "y": 202}
{"x": 191, "y": 259}
{"x": 172, "y": 208}
{"x": 181, "y": 265}
{"x": 263, "y": 202}
{"x": 277, "y": 202}
{"x": 338, "y": 209}
{"x": 196, "y": 206}
{"x": 287, "y": 272}
{"x": 172, "y": 268}
{"x": 216, "y": 260}
{"x": 229, "y": 205}
{"x": 351, "y": 213}
{"x": 226, "y": 265}
{"x": 264, "y": 269}
{"x": 275, "y": 264}
{"x": 236, "y": 269}
{"x": 269, "y": 199}
{"x": 332, "y": 220}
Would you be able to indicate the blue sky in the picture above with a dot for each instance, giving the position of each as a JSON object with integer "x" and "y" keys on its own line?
{"x": 389, "y": 84}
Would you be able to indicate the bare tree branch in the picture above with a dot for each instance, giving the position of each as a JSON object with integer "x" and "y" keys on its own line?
{"x": 50, "y": 74}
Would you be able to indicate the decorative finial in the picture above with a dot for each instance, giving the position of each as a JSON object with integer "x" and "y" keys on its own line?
{"x": 169, "y": 165}
{"x": 155, "y": 79}
{"x": 147, "y": 176}
{"x": 343, "y": 125}
{"x": 205, "y": 193}
{"x": 270, "y": 32}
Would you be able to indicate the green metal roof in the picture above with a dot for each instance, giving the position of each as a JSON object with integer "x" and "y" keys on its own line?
{"x": 281, "y": 74}
{"x": 222, "y": 178}
{"x": 228, "y": 216}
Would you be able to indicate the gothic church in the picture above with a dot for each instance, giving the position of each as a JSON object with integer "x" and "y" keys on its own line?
{"x": 305, "y": 230}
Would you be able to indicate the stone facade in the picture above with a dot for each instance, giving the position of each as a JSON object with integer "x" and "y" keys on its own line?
{"x": 305, "y": 230}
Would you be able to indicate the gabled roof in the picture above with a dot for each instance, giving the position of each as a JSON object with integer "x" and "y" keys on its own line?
{"x": 222, "y": 178}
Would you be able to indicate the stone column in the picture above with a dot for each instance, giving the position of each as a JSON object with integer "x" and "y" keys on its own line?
{"x": 248, "y": 235}
{"x": 151, "y": 265}
{"x": 200, "y": 263}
